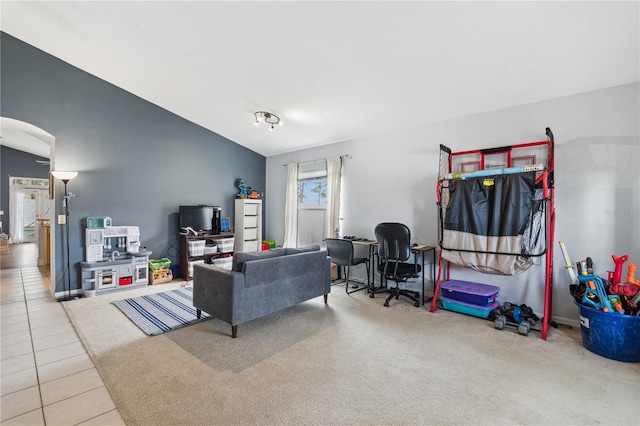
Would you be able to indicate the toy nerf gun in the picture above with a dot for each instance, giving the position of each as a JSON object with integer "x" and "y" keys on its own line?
{"x": 595, "y": 294}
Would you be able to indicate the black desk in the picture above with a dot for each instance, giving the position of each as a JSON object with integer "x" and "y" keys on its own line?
{"x": 419, "y": 249}
{"x": 370, "y": 244}
{"x": 422, "y": 249}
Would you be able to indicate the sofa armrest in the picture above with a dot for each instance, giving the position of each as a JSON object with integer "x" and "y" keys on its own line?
{"x": 219, "y": 292}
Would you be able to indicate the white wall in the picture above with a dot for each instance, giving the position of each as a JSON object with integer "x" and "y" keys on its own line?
{"x": 392, "y": 177}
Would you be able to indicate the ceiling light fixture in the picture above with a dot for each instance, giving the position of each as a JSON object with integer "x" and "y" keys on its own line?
{"x": 269, "y": 118}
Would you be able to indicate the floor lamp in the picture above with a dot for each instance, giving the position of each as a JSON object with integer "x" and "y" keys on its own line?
{"x": 65, "y": 177}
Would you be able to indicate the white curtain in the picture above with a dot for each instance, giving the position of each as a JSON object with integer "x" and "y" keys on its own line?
{"x": 16, "y": 219}
{"x": 334, "y": 182}
{"x": 291, "y": 207}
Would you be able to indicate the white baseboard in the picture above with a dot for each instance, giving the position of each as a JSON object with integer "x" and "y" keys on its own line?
{"x": 573, "y": 322}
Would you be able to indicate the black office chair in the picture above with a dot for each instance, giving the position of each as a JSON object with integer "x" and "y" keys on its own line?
{"x": 394, "y": 250}
{"x": 341, "y": 253}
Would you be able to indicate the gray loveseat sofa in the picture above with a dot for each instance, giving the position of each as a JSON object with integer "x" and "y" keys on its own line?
{"x": 260, "y": 283}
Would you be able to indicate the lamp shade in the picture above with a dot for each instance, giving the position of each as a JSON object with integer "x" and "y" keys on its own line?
{"x": 64, "y": 176}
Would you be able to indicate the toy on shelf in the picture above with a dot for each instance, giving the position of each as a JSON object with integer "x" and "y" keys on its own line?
{"x": 255, "y": 194}
{"x": 245, "y": 191}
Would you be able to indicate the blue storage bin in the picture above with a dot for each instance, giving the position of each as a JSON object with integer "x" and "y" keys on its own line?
{"x": 468, "y": 292}
{"x": 468, "y": 308}
{"x": 175, "y": 270}
{"x": 610, "y": 335}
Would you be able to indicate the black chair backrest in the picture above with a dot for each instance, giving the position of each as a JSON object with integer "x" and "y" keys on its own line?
{"x": 340, "y": 251}
{"x": 394, "y": 241}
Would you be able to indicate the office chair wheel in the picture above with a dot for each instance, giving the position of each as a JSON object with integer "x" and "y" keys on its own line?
{"x": 371, "y": 295}
{"x": 417, "y": 304}
{"x": 386, "y": 303}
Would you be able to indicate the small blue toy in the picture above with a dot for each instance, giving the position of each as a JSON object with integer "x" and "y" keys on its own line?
{"x": 245, "y": 189}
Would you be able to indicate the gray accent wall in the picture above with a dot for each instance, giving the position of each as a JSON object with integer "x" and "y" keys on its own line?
{"x": 136, "y": 161}
{"x": 14, "y": 163}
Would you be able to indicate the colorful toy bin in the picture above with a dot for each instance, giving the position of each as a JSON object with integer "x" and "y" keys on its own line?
{"x": 610, "y": 335}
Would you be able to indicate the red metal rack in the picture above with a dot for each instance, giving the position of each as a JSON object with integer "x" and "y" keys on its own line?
{"x": 483, "y": 161}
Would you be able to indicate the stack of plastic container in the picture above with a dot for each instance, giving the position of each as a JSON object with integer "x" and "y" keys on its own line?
{"x": 469, "y": 298}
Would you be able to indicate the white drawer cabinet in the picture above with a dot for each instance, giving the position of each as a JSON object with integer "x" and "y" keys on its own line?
{"x": 248, "y": 224}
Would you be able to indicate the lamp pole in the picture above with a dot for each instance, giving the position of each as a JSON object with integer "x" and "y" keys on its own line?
{"x": 66, "y": 225}
{"x": 65, "y": 177}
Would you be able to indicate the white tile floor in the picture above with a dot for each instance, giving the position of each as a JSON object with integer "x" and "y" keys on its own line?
{"x": 47, "y": 377}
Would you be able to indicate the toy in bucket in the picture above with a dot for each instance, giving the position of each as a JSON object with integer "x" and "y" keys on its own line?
{"x": 631, "y": 272}
{"x": 609, "y": 320}
{"x": 595, "y": 294}
{"x": 628, "y": 292}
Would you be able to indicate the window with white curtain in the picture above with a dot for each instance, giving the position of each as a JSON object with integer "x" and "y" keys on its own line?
{"x": 312, "y": 202}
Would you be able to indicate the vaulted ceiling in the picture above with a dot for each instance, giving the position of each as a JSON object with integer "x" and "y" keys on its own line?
{"x": 335, "y": 71}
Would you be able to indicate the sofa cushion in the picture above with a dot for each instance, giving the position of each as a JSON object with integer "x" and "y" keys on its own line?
{"x": 240, "y": 258}
{"x": 296, "y": 250}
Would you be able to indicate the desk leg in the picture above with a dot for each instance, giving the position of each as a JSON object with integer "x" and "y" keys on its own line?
{"x": 422, "y": 277}
{"x": 374, "y": 270}
{"x": 433, "y": 269}
{"x": 372, "y": 273}
{"x": 433, "y": 274}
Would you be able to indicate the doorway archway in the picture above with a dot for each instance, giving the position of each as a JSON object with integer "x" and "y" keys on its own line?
{"x": 27, "y": 137}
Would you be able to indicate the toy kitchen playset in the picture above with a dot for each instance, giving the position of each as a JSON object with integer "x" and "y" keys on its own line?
{"x": 114, "y": 260}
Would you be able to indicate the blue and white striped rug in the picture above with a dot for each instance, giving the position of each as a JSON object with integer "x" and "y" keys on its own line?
{"x": 161, "y": 312}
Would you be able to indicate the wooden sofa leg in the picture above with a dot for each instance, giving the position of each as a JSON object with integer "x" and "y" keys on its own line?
{"x": 326, "y": 296}
{"x": 234, "y": 331}
{"x": 198, "y": 313}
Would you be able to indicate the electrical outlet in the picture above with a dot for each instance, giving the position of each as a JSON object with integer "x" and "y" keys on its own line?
{"x": 1, "y": 212}
{"x": 62, "y": 219}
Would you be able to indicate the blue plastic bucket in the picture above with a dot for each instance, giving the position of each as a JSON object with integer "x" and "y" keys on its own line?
{"x": 610, "y": 335}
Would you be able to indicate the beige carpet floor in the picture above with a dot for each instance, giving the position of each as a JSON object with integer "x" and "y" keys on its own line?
{"x": 352, "y": 361}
